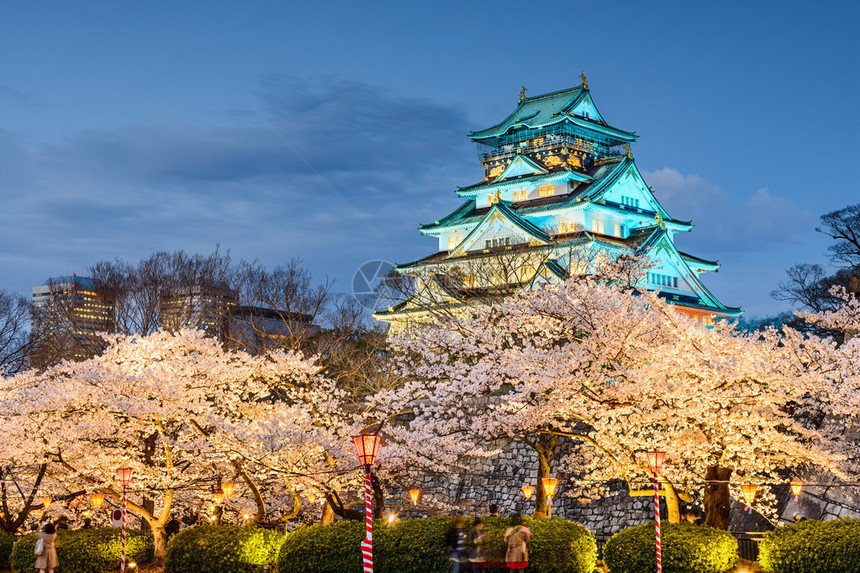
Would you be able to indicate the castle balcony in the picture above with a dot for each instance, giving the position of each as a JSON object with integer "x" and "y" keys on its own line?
{"x": 546, "y": 140}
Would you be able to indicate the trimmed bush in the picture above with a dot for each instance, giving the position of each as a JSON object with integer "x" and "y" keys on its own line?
{"x": 224, "y": 548}
{"x": 418, "y": 546}
{"x": 86, "y": 550}
{"x": 812, "y": 547}
{"x": 6, "y": 542}
{"x": 685, "y": 548}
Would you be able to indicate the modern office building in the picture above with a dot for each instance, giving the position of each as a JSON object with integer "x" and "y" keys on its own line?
{"x": 68, "y": 317}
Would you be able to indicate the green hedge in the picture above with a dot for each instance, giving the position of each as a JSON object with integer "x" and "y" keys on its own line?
{"x": 812, "y": 547}
{"x": 86, "y": 550}
{"x": 6, "y": 542}
{"x": 686, "y": 548}
{"x": 223, "y": 548}
{"x": 418, "y": 546}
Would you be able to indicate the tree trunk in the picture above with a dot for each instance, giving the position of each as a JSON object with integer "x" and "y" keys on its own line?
{"x": 717, "y": 499}
{"x": 327, "y": 517}
{"x": 672, "y": 507}
{"x": 159, "y": 534}
{"x": 545, "y": 448}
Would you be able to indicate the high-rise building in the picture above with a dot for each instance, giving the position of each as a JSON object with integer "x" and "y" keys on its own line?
{"x": 205, "y": 306}
{"x": 560, "y": 189}
{"x": 257, "y": 329}
{"x": 68, "y": 317}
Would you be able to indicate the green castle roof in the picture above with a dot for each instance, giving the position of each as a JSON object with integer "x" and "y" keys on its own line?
{"x": 549, "y": 109}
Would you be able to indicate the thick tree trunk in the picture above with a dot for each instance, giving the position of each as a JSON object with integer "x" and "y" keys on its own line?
{"x": 717, "y": 499}
{"x": 672, "y": 506}
{"x": 160, "y": 536}
{"x": 327, "y": 514}
{"x": 544, "y": 445}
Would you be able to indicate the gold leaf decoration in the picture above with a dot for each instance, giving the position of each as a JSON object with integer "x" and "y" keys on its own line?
{"x": 552, "y": 160}
{"x": 497, "y": 170}
{"x": 574, "y": 161}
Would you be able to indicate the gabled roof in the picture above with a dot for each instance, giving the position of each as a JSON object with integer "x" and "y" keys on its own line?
{"x": 521, "y": 165}
{"x": 500, "y": 212}
{"x": 489, "y": 186}
{"x": 549, "y": 109}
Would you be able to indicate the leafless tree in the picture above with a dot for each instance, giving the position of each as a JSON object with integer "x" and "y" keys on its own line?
{"x": 808, "y": 285}
{"x": 15, "y": 338}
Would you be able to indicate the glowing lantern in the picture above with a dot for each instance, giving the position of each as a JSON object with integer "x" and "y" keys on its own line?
{"x": 228, "y": 488}
{"x": 218, "y": 496}
{"x": 749, "y": 495}
{"x": 366, "y": 446}
{"x": 549, "y": 485}
{"x": 123, "y": 475}
{"x": 796, "y": 487}
{"x": 528, "y": 491}
{"x": 656, "y": 461}
{"x": 98, "y": 498}
{"x": 312, "y": 496}
{"x": 46, "y": 502}
{"x": 413, "y": 495}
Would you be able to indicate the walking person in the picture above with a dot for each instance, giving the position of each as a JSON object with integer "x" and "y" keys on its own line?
{"x": 456, "y": 541}
{"x": 48, "y": 558}
{"x": 517, "y": 537}
{"x": 477, "y": 547}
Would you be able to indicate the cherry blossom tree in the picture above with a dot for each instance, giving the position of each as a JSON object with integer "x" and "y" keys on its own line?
{"x": 614, "y": 372}
{"x": 182, "y": 412}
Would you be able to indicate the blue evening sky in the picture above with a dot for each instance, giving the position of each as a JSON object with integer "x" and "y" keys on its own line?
{"x": 127, "y": 128}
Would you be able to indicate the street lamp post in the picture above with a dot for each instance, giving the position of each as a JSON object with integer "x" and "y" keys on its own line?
{"x": 367, "y": 446}
{"x": 123, "y": 475}
{"x": 657, "y": 460}
{"x": 549, "y": 485}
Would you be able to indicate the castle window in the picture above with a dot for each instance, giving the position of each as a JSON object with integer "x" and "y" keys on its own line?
{"x": 547, "y": 190}
{"x": 470, "y": 281}
{"x": 492, "y": 200}
{"x": 597, "y": 226}
{"x": 617, "y": 230}
{"x": 453, "y": 242}
{"x": 630, "y": 201}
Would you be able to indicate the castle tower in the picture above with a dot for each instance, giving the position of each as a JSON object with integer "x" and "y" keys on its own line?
{"x": 560, "y": 188}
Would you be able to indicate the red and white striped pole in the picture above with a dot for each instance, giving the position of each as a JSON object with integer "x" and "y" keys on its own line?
{"x": 123, "y": 475}
{"x": 367, "y": 446}
{"x": 657, "y": 460}
{"x": 367, "y": 544}
{"x": 122, "y": 535}
{"x": 657, "y": 522}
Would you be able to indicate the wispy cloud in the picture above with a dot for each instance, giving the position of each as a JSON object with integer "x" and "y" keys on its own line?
{"x": 126, "y": 192}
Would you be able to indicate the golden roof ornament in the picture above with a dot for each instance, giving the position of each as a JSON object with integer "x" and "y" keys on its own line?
{"x": 584, "y": 84}
{"x": 627, "y": 151}
{"x": 523, "y": 93}
{"x": 498, "y": 195}
{"x": 660, "y": 222}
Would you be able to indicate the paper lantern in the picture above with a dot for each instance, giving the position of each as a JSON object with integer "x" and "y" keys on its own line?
{"x": 528, "y": 491}
{"x": 413, "y": 495}
{"x": 366, "y": 446}
{"x": 656, "y": 461}
{"x": 123, "y": 476}
{"x": 796, "y": 487}
{"x": 98, "y": 498}
{"x": 228, "y": 488}
{"x": 46, "y": 502}
{"x": 549, "y": 485}
{"x": 749, "y": 495}
{"x": 217, "y": 497}
{"x": 312, "y": 496}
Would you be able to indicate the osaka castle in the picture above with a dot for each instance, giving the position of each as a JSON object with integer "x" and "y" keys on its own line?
{"x": 560, "y": 190}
